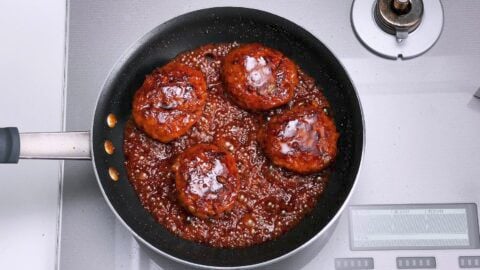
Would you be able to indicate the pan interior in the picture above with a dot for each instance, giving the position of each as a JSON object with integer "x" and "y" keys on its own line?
{"x": 187, "y": 32}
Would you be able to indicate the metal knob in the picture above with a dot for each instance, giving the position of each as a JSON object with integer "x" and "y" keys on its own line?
{"x": 402, "y": 6}
{"x": 399, "y": 17}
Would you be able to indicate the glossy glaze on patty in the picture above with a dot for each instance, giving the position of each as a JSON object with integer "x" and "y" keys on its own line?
{"x": 302, "y": 139}
{"x": 170, "y": 101}
{"x": 206, "y": 180}
{"x": 258, "y": 77}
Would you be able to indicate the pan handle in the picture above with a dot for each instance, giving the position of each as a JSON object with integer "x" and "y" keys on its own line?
{"x": 50, "y": 145}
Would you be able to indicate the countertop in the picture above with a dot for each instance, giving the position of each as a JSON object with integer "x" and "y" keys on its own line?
{"x": 32, "y": 51}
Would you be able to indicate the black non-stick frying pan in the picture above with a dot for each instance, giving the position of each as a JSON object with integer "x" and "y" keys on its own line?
{"x": 186, "y": 32}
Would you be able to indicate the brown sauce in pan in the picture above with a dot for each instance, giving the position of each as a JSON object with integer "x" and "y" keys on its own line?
{"x": 270, "y": 200}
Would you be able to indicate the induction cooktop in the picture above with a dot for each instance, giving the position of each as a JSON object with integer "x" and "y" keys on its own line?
{"x": 415, "y": 206}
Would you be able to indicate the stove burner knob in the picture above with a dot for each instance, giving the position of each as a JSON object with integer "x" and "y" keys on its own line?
{"x": 402, "y": 6}
{"x": 399, "y": 17}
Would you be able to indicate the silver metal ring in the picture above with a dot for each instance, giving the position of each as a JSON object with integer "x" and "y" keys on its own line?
{"x": 386, "y": 45}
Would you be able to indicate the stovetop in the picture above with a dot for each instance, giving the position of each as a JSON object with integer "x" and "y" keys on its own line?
{"x": 422, "y": 124}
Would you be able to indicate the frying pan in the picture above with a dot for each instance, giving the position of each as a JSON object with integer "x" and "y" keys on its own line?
{"x": 186, "y": 32}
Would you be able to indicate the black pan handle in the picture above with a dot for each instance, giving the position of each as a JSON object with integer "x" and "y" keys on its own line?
{"x": 9, "y": 145}
{"x": 44, "y": 145}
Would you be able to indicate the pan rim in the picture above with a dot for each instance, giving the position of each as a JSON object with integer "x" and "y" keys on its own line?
{"x": 333, "y": 221}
